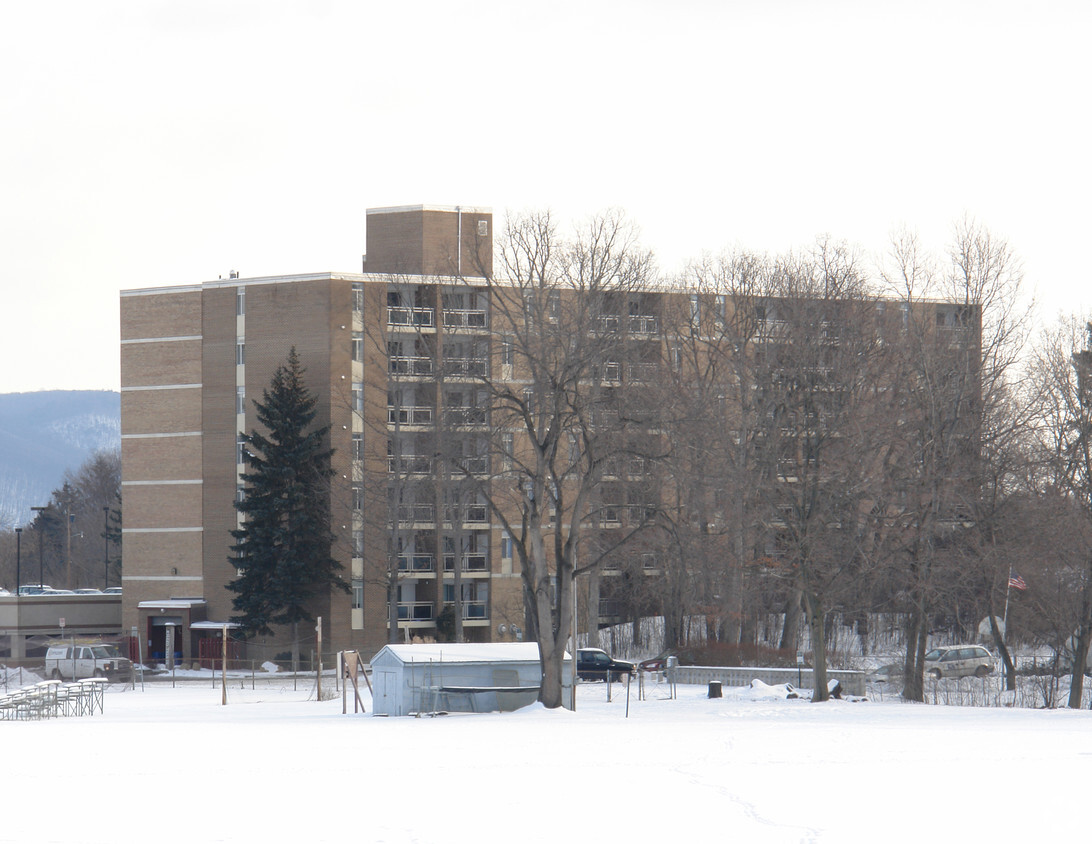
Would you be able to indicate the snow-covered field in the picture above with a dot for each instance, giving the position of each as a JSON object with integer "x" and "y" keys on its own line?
{"x": 174, "y": 765}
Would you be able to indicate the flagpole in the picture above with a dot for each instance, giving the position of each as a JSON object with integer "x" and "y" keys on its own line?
{"x": 1008, "y": 588}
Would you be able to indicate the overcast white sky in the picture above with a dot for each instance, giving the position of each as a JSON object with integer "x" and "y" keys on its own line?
{"x": 155, "y": 142}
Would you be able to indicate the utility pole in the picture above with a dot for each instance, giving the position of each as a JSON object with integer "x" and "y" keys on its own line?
{"x": 41, "y": 536}
{"x": 223, "y": 666}
{"x": 18, "y": 558}
{"x": 318, "y": 677}
{"x": 69, "y": 517}
{"x": 105, "y": 548}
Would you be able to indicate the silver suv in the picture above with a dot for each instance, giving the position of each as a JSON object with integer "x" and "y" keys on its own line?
{"x": 960, "y": 661}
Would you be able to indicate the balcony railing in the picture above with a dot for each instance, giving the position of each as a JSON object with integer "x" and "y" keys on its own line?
{"x": 409, "y": 365}
{"x": 478, "y": 465}
{"x": 609, "y": 608}
{"x": 643, "y": 324}
{"x": 466, "y": 366}
{"x": 471, "y": 513}
{"x": 471, "y": 562}
{"x": 414, "y": 611}
{"x": 474, "y": 610}
{"x": 458, "y": 318}
{"x": 642, "y": 371}
{"x": 464, "y": 416}
{"x": 417, "y": 317}
{"x": 416, "y": 562}
{"x": 409, "y": 415}
{"x": 415, "y": 513}
{"x": 410, "y": 464}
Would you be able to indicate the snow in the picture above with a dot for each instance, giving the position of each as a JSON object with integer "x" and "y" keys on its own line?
{"x": 174, "y": 765}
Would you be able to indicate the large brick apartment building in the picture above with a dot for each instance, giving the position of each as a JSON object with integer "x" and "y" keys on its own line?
{"x": 194, "y": 358}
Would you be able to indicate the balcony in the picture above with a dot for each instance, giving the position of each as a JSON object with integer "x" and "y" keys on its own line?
{"x": 475, "y": 610}
{"x": 416, "y": 514}
{"x": 460, "y": 318}
{"x": 609, "y": 608}
{"x": 410, "y": 317}
{"x": 642, "y": 371}
{"x": 409, "y": 365}
{"x": 415, "y": 611}
{"x": 410, "y": 464}
{"x": 471, "y": 562}
{"x": 416, "y": 563}
{"x": 409, "y": 415}
{"x": 478, "y": 465}
{"x": 472, "y": 513}
{"x": 464, "y": 416}
{"x": 466, "y": 367}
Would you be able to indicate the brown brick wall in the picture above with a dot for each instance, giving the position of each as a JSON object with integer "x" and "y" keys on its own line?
{"x": 163, "y": 506}
{"x": 160, "y": 411}
{"x": 161, "y": 315}
{"x": 424, "y": 242}
{"x": 160, "y": 458}
{"x": 150, "y": 364}
{"x": 157, "y": 553}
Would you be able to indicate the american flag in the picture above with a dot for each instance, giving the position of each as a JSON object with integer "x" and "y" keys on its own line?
{"x": 1017, "y": 582}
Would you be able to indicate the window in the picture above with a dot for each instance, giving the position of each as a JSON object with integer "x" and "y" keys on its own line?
{"x": 506, "y": 443}
{"x": 240, "y": 448}
{"x": 358, "y": 447}
{"x": 506, "y": 547}
{"x": 358, "y": 396}
{"x": 240, "y": 494}
{"x": 483, "y": 228}
{"x": 722, "y": 308}
{"x": 695, "y": 304}
{"x": 358, "y": 297}
{"x": 553, "y": 305}
{"x": 358, "y": 496}
{"x": 358, "y": 542}
{"x": 507, "y": 353}
{"x": 358, "y": 345}
{"x": 240, "y": 301}
{"x": 240, "y": 400}
{"x": 358, "y": 594}
{"x": 240, "y": 353}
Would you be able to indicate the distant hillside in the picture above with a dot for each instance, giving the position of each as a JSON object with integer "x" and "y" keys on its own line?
{"x": 42, "y": 435}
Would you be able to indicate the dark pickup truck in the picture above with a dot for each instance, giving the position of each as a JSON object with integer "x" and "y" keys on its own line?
{"x": 595, "y": 664}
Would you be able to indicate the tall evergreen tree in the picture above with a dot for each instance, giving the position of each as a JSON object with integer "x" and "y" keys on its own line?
{"x": 283, "y": 546}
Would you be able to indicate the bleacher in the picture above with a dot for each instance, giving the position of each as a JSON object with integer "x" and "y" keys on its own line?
{"x": 54, "y": 699}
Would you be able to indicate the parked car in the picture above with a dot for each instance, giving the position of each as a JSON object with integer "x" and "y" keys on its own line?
{"x": 88, "y": 591}
{"x": 112, "y": 590}
{"x": 596, "y": 664}
{"x": 959, "y": 661}
{"x": 75, "y": 662}
{"x": 34, "y": 589}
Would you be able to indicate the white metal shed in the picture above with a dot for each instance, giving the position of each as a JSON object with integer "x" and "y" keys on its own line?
{"x": 487, "y": 677}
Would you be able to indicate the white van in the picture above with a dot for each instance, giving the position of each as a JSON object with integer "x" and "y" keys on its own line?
{"x": 963, "y": 661}
{"x": 75, "y": 662}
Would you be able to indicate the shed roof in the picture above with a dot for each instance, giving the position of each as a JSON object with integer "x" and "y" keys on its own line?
{"x": 467, "y": 652}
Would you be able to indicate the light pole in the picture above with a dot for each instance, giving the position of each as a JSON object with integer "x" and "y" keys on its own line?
{"x": 41, "y": 536}
{"x": 105, "y": 548}
{"x": 18, "y": 558}
{"x": 69, "y": 518}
